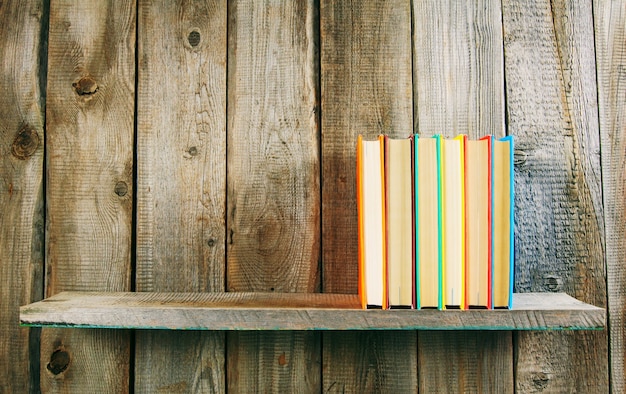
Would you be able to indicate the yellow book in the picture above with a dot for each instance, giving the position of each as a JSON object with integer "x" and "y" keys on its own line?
{"x": 453, "y": 228}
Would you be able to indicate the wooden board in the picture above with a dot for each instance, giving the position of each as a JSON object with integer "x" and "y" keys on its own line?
{"x": 371, "y": 362}
{"x": 481, "y": 362}
{"x": 22, "y": 83}
{"x": 89, "y": 121}
{"x": 610, "y": 40}
{"x": 181, "y": 178}
{"x": 552, "y": 111}
{"x": 458, "y": 79}
{"x": 366, "y": 89}
{"x": 300, "y": 311}
{"x": 458, "y": 86}
{"x": 273, "y": 219}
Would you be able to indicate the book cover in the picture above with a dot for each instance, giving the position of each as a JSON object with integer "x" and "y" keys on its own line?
{"x": 503, "y": 222}
{"x": 428, "y": 254}
{"x": 371, "y": 222}
{"x": 399, "y": 221}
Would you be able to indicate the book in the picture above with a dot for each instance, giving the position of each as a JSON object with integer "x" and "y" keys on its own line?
{"x": 399, "y": 221}
{"x": 503, "y": 222}
{"x": 371, "y": 222}
{"x": 453, "y": 229}
{"x": 478, "y": 224}
{"x": 428, "y": 222}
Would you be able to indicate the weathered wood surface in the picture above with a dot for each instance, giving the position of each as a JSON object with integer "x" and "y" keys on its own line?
{"x": 458, "y": 87}
{"x": 485, "y": 357}
{"x": 372, "y": 362}
{"x": 22, "y": 83}
{"x": 552, "y": 111}
{"x": 366, "y": 89}
{"x": 273, "y": 189}
{"x": 302, "y": 311}
{"x": 181, "y": 178}
{"x": 458, "y": 79}
{"x": 610, "y": 45}
{"x": 89, "y": 126}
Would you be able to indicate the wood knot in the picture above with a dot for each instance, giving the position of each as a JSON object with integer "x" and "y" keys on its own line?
{"x": 121, "y": 188}
{"x": 194, "y": 38}
{"x": 59, "y": 361}
{"x": 540, "y": 380}
{"x": 519, "y": 157}
{"x": 25, "y": 143}
{"x": 85, "y": 86}
{"x": 552, "y": 283}
{"x": 191, "y": 152}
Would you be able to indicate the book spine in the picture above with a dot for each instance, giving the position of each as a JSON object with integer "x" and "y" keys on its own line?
{"x": 510, "y": 140}
{"x": 416, "y": 287}
{"x": 491, "y": 224}
{"x": 361, "y": 230}
{"x": 441, "y": 179}
{"x": 381, "y": 140}
{"x": 439, "y": 223}
{"x": 463, "y": 139}
{"x": 512, "y": 217}
{"x": 414, "y": 220}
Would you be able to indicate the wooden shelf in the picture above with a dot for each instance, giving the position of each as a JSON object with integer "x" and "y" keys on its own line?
{"x": 297, "y": 311}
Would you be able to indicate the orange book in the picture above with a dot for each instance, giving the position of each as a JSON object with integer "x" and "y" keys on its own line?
{"x": 371, "y": 222}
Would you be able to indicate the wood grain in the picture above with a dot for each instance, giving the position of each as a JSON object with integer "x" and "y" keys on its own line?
{"x": 552, "y": 111}
{"x": 609, "y": 20}
{"x": 366, "y": 89}
{"x": 89, "y": 120}
{"x": 273, "y": 214}
{"x": 301, "y": 311}
{"x": 181, "y": 183}
{"x": 482, "y": 362}
{"x": 458, "y": 68}
{"x": 459, "y": 89}
{"x": 22, "y": 83}
{"x": 372, "y": 362}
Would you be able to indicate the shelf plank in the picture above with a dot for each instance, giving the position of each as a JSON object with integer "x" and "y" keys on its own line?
{"x": 297, "y": 311}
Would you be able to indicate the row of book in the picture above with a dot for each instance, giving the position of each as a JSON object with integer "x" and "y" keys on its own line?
{"x": 436, "y": 222}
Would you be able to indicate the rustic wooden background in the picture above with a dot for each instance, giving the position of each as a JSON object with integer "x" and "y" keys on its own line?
{"x": 207, "y": 146}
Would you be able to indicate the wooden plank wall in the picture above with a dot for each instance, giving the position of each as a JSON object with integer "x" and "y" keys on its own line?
{"x": 610, "y": 40}
{"x": 366, "y": 89}
{"x": 458, "y": 83}
{"x": 552, "y": 111}
{"x": 22, "y": 103}
{"x": 209, "y": 145}
{"x": 273, "y": 188}
{"x": 181, "y": 183}
{"x": 89, "y": 184}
